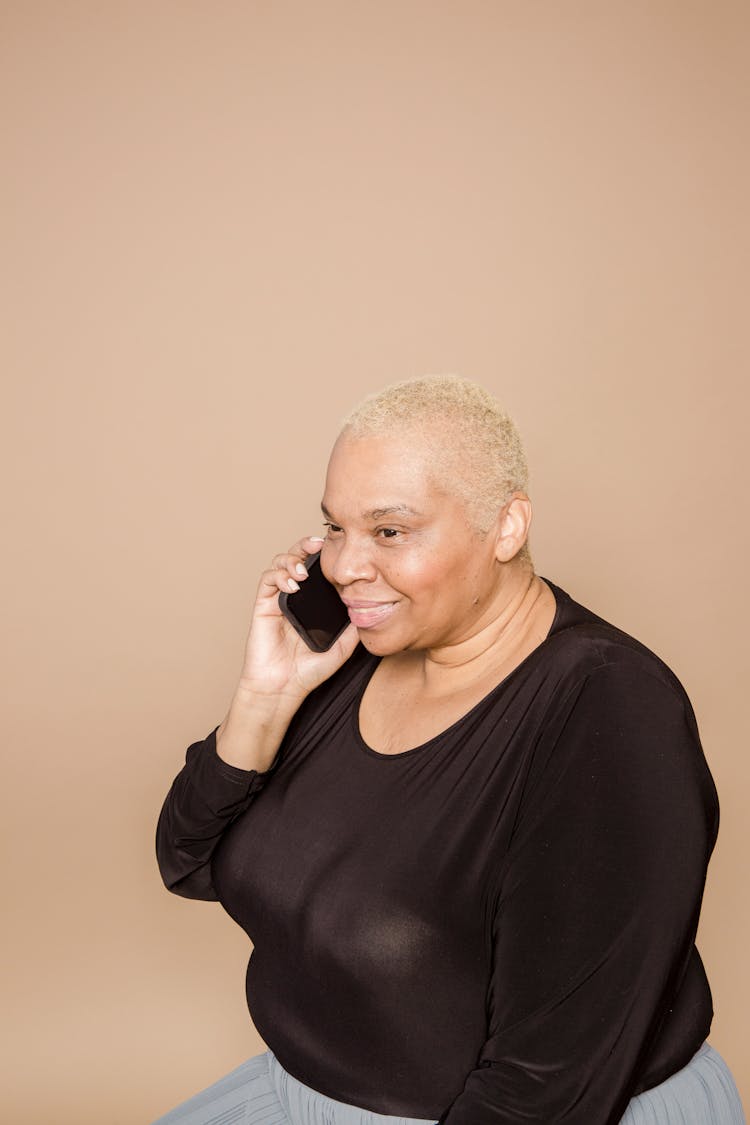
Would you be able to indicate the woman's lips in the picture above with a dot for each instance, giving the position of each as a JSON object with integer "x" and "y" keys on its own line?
{"x": 366, "y": 614}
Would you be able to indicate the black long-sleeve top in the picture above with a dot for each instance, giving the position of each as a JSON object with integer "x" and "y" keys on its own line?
{"x": 492, "y": 928}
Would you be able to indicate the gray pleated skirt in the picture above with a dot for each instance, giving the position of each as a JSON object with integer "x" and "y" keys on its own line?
{"x": 261, "y": 1092}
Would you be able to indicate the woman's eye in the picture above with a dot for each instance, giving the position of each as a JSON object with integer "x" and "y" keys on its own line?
{"x": 332, "y": 528}
{"x": 388, "y": 532}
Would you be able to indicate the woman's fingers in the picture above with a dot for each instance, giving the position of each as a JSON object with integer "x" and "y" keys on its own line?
{"x": 310, "y": 545}
{"x": 289, "y": 564}
{"x": 293, "y": 560}
{"x": 279, "y": 578}
{"x": 288, "y": 570}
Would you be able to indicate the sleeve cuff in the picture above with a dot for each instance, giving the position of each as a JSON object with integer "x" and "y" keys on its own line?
{"x": 210, "y": 774}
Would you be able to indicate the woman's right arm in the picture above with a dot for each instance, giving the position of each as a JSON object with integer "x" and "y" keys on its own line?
{"x": 223, "y": 773}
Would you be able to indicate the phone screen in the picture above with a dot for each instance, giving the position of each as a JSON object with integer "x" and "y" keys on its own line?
{"x": 315, "y": 610}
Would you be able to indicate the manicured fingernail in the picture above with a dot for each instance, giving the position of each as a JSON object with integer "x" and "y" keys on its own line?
{"x": 300, "y": 569}
{"x": 316, "y": 538}
{"x": 293, "y": 584}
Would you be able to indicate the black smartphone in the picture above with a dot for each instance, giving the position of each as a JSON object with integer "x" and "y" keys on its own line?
{"x": 315, "y": 610}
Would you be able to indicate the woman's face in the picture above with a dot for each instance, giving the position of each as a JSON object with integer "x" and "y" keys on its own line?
{"x": 400, "y": 550}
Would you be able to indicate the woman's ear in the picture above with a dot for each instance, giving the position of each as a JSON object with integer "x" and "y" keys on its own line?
{"x": 512, "y": 529}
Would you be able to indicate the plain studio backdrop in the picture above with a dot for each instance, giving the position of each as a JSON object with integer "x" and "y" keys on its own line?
{"x": 222, "y": 224}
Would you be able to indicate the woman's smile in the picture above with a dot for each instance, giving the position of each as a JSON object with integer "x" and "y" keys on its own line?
{"x": 365, "y": 615}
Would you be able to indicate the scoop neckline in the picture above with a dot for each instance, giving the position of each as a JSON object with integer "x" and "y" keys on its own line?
{"x": 559, "y": 595}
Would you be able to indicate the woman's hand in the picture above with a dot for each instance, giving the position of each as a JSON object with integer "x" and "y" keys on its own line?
{"x": 278, "y": 670}
{"x": 277, "y": 660}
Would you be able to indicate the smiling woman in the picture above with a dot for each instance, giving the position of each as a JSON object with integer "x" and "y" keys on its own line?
{"x": 422, "y": 551}
{"x": 469, "y": 841}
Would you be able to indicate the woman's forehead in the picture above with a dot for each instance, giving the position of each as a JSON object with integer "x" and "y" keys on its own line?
{"x": 383, "y": 475}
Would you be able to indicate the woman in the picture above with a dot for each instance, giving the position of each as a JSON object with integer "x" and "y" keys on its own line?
{"x": 469, "y": 842}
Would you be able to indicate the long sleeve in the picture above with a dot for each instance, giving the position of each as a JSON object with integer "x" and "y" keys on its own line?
{"x": 207, "y": 795}
{"x": 597, "y": 908}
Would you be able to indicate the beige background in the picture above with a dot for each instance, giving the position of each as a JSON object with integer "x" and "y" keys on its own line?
{"x": 222, "y": 224}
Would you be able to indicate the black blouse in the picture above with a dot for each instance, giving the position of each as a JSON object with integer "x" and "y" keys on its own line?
{"x": 494, "y": 927}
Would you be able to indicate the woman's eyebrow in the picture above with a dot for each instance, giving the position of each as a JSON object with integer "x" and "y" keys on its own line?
{"x": 390, "y": 510}
{"x": 378, "y": 513}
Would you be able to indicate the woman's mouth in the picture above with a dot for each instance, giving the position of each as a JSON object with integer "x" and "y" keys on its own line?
{"x": 367, "y": 614}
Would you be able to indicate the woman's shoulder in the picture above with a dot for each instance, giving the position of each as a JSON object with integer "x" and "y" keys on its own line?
{"x": 614, "y": 701}
{"x": 583, "y": 643}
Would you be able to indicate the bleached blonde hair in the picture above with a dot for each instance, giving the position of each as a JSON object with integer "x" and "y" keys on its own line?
{"x": 476, "y": 447}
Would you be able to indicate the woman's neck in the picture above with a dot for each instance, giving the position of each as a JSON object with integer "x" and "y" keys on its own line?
{"x": 516, "y": 621}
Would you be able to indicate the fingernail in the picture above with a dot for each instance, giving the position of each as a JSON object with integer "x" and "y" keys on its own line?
{"x": 293, "y": 584}
{"x": 300, "y": 569}
{"x": 316, "y": 538}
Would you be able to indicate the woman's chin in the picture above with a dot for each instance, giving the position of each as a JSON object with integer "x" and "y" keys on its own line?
{"x": 379, "y": 644}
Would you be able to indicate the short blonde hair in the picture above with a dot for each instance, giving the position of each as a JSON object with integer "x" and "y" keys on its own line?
{"x": 478, "y": 450}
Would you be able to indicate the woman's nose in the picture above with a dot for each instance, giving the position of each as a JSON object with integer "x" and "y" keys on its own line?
{"x": 347, "y": 561}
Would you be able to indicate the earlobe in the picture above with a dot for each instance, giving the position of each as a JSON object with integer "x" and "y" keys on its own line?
{"x": 514, "y": 522}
